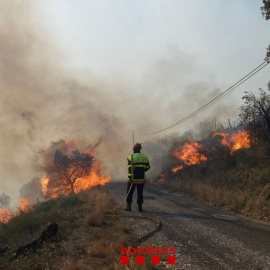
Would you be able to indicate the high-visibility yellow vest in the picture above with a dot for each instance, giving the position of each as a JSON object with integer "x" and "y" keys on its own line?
{"x": 140, "y": 166}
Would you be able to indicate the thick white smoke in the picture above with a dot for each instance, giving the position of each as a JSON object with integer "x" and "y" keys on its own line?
{"x": 42, "y": 102}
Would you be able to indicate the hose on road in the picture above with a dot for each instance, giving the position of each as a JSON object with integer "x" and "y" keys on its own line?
{"x": 122, "y": 201}
{"x": 146, "y": 236}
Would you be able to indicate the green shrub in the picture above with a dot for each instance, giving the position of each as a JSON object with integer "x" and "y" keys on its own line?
{"x": 69, "y": 201}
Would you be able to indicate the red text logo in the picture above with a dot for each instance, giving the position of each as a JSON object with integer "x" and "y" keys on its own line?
{"x": 141, "y": 251}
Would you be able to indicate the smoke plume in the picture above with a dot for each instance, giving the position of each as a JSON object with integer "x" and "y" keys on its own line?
{"x": 42, "y": 103}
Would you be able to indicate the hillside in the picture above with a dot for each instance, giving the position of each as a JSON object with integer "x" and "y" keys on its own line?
{"x": 85, "y": 238}
{"x": 237, "y": 181}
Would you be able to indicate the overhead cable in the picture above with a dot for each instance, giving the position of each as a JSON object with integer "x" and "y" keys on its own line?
{"x": 211, "y": 102}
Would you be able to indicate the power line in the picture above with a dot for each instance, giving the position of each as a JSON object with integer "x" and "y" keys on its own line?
{"x": 218, "y": 97}
{"x": 211, "y": 102}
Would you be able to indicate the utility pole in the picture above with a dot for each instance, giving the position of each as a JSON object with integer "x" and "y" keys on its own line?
{"x": 230, "y": 124}
{"x": 132, "y": 137}
{"x": 215, "y": 123}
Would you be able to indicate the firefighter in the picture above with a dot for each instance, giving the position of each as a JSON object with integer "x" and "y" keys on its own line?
{"x": 140, "y": 164}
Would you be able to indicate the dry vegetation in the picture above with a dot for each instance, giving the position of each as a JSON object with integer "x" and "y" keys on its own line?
{"x": 86, "y": 238}
{"x": 238, "y": 182}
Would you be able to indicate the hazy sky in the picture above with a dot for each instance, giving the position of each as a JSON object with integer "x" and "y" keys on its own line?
{"x": 217, "y": 42}
{"x": 225, "y": 39}
{"x": 81, "y": 69}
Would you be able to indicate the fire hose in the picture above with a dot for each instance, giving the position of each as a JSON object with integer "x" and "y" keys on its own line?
{"x": 123, "y": 200}
{"x": 129, "y": 188}
{"x": 146, "y": 236}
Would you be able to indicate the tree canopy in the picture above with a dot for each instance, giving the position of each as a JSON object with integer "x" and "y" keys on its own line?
{"x": 255, "y": 113}
{"x": 67, "y": 169}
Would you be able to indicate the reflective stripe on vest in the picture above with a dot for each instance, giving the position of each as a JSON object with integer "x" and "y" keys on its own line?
{"x": 140, "y": 164}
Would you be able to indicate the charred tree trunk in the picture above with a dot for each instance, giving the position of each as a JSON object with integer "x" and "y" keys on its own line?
{"x": 72, "y": 188}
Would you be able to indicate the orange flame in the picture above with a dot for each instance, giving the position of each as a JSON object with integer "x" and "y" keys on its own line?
{"x": 52, "y": 188}
{"x": 162, "y": 178}
{"x": 94, "y": 178}
{"x": 44, "y": 183}
{"x": 5, "y": 215}
{"x": 234, "y": 141}
{"x": 25, "y": 203}
{"x": 190, "y": 154}
{"x": 177, "y": 168}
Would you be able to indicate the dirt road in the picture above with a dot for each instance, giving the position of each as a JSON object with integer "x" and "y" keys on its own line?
{"x": 204, "y": 237}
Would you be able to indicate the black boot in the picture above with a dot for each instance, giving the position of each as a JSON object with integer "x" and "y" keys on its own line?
{"x": 128, "y": 208}
{"x": 140, "y": 208}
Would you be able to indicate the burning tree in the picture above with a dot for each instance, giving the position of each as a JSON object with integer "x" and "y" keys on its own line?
{"x": 66, "y": 170}
{"x": 255, "y": 113}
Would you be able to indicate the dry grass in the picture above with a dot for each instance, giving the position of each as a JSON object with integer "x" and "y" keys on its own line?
{"x": 240, "y": 201}
{"x": 99, "y": 250}
{"x": 238, "y": 182}
{"x": 73, "y": 265}
{"x": 99, "y": 203}
{"x": 89, "y": 240}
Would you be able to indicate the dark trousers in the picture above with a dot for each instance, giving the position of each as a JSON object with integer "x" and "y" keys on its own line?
{"x": 139, "y": 193}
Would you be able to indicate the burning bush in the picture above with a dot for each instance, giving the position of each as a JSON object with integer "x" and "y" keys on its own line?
{"x": 234, "y": 173}
{"x": 234, "y": 141}
{"x": 5, "y": 215}
{"x": 192, "y": 153}
{"x": 219, "y": 148}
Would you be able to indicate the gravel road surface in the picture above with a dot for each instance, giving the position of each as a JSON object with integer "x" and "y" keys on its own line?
{"x": 204, "y": 237}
